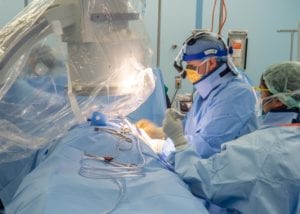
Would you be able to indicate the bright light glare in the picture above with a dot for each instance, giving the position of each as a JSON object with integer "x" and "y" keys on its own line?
{"x": 129, "y": 76}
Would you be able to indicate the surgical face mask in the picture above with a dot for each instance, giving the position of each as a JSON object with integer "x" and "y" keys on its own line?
{"x": 261, "y": 102}
{"x": 258, "y": 91}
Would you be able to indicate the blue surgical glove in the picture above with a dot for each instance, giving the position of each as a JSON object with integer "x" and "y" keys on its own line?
{"x": 172, "y": 127}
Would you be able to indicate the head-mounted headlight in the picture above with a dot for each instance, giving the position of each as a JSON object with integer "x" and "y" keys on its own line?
{"x": 193, "y": 49}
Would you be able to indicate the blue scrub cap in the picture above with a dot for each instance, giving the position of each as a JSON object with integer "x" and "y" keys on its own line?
{"x": 204, "y": 45}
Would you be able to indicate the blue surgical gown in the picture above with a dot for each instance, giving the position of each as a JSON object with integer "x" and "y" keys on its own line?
{"x": 223, "y": 110}
{"x": 257, "y": 173}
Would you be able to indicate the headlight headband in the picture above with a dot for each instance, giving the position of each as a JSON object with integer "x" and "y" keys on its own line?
{"x": 209, "y": 52}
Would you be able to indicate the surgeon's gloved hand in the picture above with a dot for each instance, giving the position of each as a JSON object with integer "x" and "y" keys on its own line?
{"x": 151, "y": 129}
{"x": 172, "y": 126}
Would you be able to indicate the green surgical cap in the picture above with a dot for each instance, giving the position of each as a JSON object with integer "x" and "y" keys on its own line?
{"x": 283, "y": 80}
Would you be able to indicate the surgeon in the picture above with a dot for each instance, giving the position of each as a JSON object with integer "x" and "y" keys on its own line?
{"x": 279, "y": 78}
{"x": 224, "y": 104}
{"x": 259, "y": 172}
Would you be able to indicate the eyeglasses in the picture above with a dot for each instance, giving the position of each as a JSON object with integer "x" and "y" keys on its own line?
{"x": 257, "y": 88}
{"x": 191, "y": 67}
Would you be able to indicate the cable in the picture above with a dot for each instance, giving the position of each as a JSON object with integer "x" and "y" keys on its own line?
{"x": 106, "y": 167}
{"x": 224, "y": 11}
{"x": 93, "y": 166}
{"x": 173, "y": 98}
{"x": 122, "y": 191}
{"x": 213, "y": 16}
{"x": 222, "y": 18}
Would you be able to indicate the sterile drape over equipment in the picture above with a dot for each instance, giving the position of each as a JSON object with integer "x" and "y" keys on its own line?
{"x": 71, "y": 71}
{"x": 97, "y": 65}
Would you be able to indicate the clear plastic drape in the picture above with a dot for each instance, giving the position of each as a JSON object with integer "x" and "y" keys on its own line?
{"x": 62, "y": 60}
